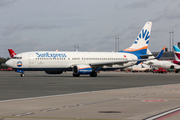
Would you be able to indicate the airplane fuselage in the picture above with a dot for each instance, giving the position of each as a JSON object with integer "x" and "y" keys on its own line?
{"x": 165, "y": 64}
{"x": 49, "y": 60}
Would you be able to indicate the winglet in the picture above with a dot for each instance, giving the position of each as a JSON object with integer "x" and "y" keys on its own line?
{"x": 176, "y": 49}
{"x": 160, "y": 53}
{"x": 11, "y": 52}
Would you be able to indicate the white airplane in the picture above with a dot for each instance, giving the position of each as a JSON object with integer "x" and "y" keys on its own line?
{"x": 139, "y": 68}
{"x": 161, "y": 63}
{"x": 55, "y": 62}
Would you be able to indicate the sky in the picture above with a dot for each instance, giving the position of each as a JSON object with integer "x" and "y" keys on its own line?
{"x": 38, "y": 25}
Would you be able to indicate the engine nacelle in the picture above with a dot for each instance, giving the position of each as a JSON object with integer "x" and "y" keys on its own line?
{"x": 54, "y": 72}
{"x": 82, "y": 69}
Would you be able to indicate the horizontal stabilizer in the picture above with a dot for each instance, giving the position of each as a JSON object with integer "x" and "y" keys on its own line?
{"x": 146, "y": 56}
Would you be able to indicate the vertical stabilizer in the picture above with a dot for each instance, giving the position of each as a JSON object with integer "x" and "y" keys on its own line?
{"x": 11, "y": 52}
{"x": 142, "y": 40}
{"x": 176, "y": 53}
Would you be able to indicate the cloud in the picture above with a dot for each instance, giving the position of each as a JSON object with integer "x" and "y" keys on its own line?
{"x": 52, "y": 25}
{"x": 158, "y": 17}
{"x": 11, "y": 28}
{"x": 142, "y": 4}
{"x": 4, "y": 3}
{"x": 42, "y": 26}
{"x": 168, "y": 14}
{"x": 17, "y": 43}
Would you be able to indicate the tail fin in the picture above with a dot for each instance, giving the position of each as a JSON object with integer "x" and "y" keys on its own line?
{"x": 142, "y": 40}
{"x": 176, "y": 53}
{"x": 11, "y": 52}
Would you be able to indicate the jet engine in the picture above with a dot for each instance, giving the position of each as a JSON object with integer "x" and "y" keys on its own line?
{"x": 54, "y": 72}
{"x": 82, "y": 69}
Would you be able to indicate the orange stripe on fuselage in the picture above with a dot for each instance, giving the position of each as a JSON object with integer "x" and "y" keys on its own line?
{"x": 132, "y": 49}
{"x": 84, "y": 68}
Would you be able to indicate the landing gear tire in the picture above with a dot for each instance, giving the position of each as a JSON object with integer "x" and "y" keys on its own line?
{"x": 76, "y": 75}
{"x": 93, "y": 74}
{"x": 22, "y": 75}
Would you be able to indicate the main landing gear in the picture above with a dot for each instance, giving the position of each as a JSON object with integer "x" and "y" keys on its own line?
{"x": 76, "y": 75}
{"x": 93, "y": 74}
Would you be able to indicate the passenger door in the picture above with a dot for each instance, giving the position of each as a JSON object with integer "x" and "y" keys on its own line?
{"x": 31, "y": 60}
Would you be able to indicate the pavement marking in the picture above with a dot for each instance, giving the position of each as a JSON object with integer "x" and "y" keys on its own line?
{"x": 79, "y": 93}
{"x": 165, "y": 114}
{"x": 57, "y": 118}
{"x": 50, "y": 96}
{"x": 154, "y": 100}
{"x": 42, "y": 97}
{"x": 90, "y": 103}
{"x": 168, "y": 115}
{"x": 23, "y": 114}
{"x": 50, "y": 109}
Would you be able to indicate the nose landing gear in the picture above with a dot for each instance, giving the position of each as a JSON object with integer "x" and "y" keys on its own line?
{"x": 20, "y": 71}
{"x": 22, "y": 74}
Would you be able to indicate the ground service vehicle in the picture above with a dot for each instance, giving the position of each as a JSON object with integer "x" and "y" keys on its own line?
{"x": 160, "y": 70}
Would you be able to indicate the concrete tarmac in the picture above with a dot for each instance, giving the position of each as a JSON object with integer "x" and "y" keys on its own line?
{"x": 111, "y": 95}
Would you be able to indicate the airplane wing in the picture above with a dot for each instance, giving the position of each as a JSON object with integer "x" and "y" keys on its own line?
{"x": 124, "y": 61}
{"x": 113, "y": 63}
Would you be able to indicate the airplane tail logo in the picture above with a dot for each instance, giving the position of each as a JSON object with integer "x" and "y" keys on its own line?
{"x": 176, "y": 53}
{"x": 141, "y": 42}
{"x": 11, "y": 52}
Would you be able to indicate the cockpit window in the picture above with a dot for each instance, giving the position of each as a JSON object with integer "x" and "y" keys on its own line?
{"x": 17, "y": 58}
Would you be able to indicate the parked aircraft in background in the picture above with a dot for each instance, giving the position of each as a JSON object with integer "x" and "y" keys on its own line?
{"x": 139, "y": 68}
{"x": 177, "y": 55}
{"x": 161, "y": 63}
{"x": 55, "y": 62}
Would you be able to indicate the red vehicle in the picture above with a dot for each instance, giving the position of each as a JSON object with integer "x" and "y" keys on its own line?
{"x": 160, "y": 70}
{"x": 8, "y": 69}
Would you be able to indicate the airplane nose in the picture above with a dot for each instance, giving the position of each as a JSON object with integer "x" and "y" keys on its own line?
{"x": 8, "y": 63}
